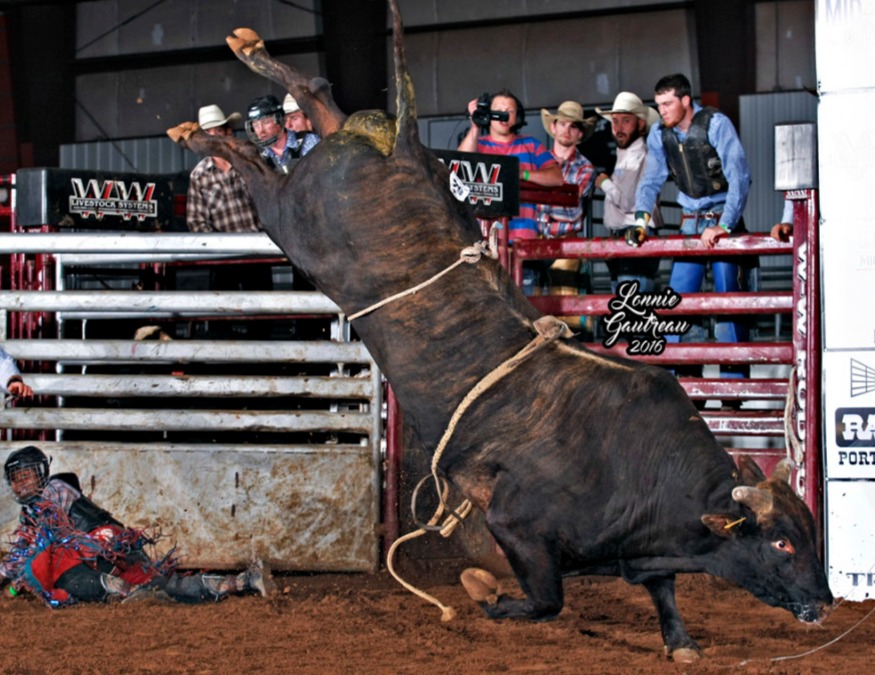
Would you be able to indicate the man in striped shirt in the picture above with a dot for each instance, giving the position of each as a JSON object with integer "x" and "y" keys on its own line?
{"x": 537, "y": 165}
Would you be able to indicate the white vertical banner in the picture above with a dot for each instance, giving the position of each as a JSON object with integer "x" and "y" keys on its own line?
{"x": 845, "y": 42}
{"x": 850, "y": 548}
{"x": 849, "y": 415}
{"x": 845, "y": 148}
{"x": 848, "y": 288}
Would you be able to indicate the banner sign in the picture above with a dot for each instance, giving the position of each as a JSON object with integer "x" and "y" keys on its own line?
{"x": 492, "y": 181}
{"x": 69, "y": 198}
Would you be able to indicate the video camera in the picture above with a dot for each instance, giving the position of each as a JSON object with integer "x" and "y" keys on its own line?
{"x": 482, "y": 115}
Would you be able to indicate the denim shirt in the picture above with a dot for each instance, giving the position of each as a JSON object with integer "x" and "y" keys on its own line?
{"x": 721, "y": 135}
{"x": 297, "y": 145}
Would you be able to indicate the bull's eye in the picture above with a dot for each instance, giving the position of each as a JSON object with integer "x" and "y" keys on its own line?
{"x": 784, "y": 546}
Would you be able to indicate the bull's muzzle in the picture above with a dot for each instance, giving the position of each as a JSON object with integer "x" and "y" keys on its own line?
{"x": 815, "y": 613}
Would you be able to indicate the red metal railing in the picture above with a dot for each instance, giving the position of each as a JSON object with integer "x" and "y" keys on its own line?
{"x": 802, "y": 352}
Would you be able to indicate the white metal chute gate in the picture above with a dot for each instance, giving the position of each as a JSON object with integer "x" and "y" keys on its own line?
{"x": 303, "y": 505}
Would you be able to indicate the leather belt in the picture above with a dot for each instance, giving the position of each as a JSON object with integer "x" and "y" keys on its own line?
{"x": 708, "y": 215}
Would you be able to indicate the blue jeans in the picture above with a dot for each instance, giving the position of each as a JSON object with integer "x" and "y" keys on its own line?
{"x": 642, "y": 270}
{"x": 687, "y": 275}
{"x": 533, "y": 275}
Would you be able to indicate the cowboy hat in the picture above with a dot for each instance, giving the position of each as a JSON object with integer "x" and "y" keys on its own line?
{"x": 627, "y": 102}
{"x": 211, "y": 116}
{"x": 290, "y": 105}
{"x": 569, "y": 110}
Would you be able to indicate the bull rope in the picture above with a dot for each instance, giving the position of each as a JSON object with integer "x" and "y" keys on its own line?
{"x": 549, "y": 329}
{"x": 470, "y": 254}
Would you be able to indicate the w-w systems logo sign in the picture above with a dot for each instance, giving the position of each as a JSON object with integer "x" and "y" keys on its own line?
{"x": 489, "y": 183}
{"x": 113, "y": 198}
{"x": 482, "y": 180}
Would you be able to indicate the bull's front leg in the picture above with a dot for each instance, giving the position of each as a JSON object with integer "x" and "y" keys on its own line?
{"x": 312, "y": 94}
{"x": 244, "y": 156}
{"x": 678, "y": 644}
{"x": 537, "y": 571}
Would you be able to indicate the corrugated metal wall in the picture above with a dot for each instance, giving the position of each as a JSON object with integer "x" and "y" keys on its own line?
{"x": 759, "y": 114}
{"x": 618, "y": 46}
{"x": 136, "y": 155}
{"x": 146, "y": 101}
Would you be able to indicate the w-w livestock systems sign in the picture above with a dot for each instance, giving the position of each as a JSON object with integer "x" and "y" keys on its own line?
{"x": 492, "y": 181}
{"x": 69, "y": 198}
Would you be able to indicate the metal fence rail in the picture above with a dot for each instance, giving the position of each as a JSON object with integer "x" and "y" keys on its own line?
{"x": 235, "y": 446}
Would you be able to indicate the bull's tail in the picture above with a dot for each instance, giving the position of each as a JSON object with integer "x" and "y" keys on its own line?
{"x": 407, "y": 134}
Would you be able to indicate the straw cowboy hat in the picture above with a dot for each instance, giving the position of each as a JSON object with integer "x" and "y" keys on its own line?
{"x": 290, "y": 105}
{"x": 569, "y": 110}
{"x": 627, "y": 102}
{"x": 211, "y": 116}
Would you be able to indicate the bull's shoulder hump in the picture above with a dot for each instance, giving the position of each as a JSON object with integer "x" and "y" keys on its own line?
{"x": 372, "y": 126}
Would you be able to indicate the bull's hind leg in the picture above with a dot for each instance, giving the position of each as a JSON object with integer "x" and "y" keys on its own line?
{"x": 312, "y": 94}
{"x": 537, "y": 571}
{"x": 678, "y": 644}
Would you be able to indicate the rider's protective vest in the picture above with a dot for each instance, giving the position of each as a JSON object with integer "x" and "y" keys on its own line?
{"x": 88, "y": 516}
{"x": 85, "y": 514}
{"x": 694, "y": 164}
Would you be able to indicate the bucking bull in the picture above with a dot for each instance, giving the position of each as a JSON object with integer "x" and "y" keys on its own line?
{"x": 581, "y": 463}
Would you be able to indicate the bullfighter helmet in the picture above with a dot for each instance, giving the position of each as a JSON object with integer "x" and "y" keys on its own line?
{"x": 261, "y": 107}
{"x": 30, "y": 457}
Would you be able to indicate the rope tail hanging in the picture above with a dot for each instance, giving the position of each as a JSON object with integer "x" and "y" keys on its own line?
{"x": 447, "y": 613}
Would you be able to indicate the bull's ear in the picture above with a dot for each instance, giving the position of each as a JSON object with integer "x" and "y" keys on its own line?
{"x": 783, "y": 470}
{"x": 722, "y": 524}
{"x": 751, "y": 474}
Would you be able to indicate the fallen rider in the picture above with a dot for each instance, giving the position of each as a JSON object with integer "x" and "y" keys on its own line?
{"x": 68, "y": 549}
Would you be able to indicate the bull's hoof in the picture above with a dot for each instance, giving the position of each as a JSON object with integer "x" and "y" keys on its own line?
{"x": 183, "y": 131}
{"x": 244, "y": 41}
{"x": 685, "y": 655}
{"x": 480, "y": 585}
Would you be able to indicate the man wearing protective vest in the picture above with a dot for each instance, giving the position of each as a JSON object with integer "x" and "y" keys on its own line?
{"x": 701, "y": 150}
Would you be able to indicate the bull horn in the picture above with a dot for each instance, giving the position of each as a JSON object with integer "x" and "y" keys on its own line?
{"x": 757, "y": 500}
{"x": 782, "y": 470}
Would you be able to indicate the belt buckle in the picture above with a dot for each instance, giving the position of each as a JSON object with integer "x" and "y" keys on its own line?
{"x": 710, "y": 215}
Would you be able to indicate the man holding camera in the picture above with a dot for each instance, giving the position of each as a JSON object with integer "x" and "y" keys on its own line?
{"x": 505, "y": 116}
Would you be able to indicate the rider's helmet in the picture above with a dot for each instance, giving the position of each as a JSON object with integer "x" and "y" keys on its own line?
{"x": 28, "y": 469}
{"x": 264, "y": 106}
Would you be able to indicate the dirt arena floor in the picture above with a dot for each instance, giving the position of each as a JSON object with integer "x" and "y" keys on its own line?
{"x": 363, "y": 623}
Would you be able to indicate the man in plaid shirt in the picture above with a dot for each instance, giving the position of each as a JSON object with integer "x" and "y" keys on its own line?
{"x": 568, "y": 129}
{"x": 218, "y": 199}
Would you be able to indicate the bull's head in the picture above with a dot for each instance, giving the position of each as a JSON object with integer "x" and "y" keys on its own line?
{"x": 770, "y": 548}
